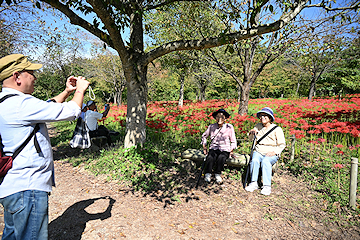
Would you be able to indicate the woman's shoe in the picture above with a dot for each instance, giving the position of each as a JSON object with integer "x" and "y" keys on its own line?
{"x": 207, "y": 177}
{"x": 252, "y": 187}
{"x": 218, "y": 178}
{"x": 266, "y": 190}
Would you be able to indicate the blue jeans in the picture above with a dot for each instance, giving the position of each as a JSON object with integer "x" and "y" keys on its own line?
{"x": 265, "y": 163}
{"x": 26, "y": 215}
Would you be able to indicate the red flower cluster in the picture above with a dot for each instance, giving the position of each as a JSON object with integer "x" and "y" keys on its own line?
{"x": 338, "y": 166}
{"x": 321, "y": 117}
{"x": 340, "y": 152}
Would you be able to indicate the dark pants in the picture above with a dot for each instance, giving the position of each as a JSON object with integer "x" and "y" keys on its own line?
{"x": 216, "y": 159}
{"x": 101, "y": 131}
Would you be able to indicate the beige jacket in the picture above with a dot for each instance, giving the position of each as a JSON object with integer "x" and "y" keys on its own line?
{"x": 274, "y": 142}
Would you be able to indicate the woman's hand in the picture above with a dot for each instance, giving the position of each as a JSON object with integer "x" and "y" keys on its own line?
{"x": 270, "y": 154}
{"x": 253, "y": 131}
{"x": 205, "y": 150}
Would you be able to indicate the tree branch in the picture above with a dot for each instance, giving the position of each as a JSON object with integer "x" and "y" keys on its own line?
{"x": 355, "y": 6}
{"x": 151, "y": 7}
{"x": 230, "y": 38}
{"x": 102, "y": 11}
{"x": 76, "y": 20}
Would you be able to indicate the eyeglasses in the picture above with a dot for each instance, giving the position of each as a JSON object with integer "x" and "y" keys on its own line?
{"x": 31, "y": 72}
{"x": 263, "y": 116}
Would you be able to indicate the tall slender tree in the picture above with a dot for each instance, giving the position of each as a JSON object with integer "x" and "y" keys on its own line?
{"x": 320, "y": 51}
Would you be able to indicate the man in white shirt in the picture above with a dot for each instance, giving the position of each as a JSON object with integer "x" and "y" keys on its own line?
{"x": 91, "y": 119}
{"x": 25, "y": 188}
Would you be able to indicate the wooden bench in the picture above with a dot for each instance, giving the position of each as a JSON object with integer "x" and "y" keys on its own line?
{"x": 240, "y": 160}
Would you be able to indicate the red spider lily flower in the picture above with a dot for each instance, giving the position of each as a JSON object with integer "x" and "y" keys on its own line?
{"x": 298, "y": 134}
{"x": 340, "y": 152}
{"x": 339, "y": 146}
{"x": 338, "y": 166}
{"x": 344, "y": 130}
{"x": 317, "y": 131}
{"x": 326, "y": 129}
{"x": 355, "y": 133}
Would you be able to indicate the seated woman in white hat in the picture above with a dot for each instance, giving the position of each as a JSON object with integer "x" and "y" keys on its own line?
{"x": 267, "y": 151}
{"x": 222, "y": 144}
{"x": 91, "y": 118}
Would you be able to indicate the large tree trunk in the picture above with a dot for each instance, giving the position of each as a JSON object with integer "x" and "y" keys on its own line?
{"x": 135, "y": 71}
{"x": 181, "y": 92}
{"x": 136, "y": 110}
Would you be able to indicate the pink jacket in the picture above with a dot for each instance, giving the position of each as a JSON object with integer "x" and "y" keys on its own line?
{"x": 225, "y": 140}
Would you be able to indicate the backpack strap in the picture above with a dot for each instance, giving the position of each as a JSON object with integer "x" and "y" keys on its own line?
{"x": 7, "y": 96}
{"x": 212, "y": 139}
{"x": 38, "y": 150}
{"x": 36, "y": 128}
{"x": 267, "y": 133}
{"x": 1, "y": 100}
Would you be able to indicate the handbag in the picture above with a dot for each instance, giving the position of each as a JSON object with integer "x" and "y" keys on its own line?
{"x": 81, "y": 137}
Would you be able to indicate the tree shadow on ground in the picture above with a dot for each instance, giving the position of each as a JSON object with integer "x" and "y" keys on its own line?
{"x": 71, "y": 224}
{"x": 179, "y": 184}
{"x": 173, "y": 180}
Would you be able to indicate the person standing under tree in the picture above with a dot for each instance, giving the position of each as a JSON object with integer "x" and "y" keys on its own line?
{"x": 222, "y": 144}
{"x": 25, "y": 188}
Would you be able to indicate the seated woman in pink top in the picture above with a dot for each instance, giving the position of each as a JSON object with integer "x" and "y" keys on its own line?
{"x": 222, "y": 144}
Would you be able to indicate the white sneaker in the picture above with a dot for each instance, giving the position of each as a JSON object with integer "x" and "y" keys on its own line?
{"x": 218, "y": 178}
{"x": 252, "y": 187}
{"x": 266, "y": 190}
{"x": 208, "y": 177}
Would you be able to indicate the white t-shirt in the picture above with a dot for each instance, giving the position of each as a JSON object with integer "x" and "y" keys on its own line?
{"x": 91, "y": 118}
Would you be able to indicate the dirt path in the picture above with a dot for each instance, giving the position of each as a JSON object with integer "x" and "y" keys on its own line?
{"x": 86, "y": 207}
{"x": 83, "y": 206}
